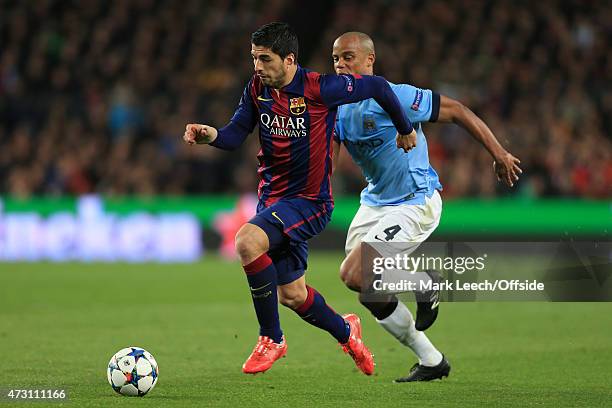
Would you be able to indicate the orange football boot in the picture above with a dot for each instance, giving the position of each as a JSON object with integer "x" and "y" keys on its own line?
{"x": 355, "y": 347}
{"x": 265, "y": 353}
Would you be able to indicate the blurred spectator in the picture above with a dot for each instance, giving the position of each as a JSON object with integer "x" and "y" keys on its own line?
{"x": 94, "y": 95}
{"x": 539, "y": 73}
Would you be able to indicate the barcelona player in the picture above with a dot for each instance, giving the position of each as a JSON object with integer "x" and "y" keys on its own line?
{"x": 401, "y": 203}
{"x": 295, "y": 109}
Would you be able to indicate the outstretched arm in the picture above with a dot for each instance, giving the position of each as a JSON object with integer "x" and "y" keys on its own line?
{"x": 505, "y": 164}
{"x": 342, "y": 89}
{"x": 230, "y": 136}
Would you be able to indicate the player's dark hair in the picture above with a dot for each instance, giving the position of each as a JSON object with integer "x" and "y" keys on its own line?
{"x": 279, "y": 37}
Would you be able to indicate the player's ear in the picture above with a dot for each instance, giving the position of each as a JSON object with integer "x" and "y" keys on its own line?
{"x": 371, "y": 59}
{"x": 290, "y": 59}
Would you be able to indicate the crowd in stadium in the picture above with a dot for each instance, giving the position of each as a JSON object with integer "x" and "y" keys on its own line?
{"x": 96, "y": 98}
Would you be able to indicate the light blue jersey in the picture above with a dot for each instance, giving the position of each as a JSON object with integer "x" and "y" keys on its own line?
{"x": 394, "y": 177}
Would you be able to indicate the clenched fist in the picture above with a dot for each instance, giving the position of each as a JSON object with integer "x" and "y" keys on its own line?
{"x": 406, "y": 142}
{"x": 199, "y": 134}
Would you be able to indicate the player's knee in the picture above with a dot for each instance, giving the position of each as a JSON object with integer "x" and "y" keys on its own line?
{"x": 250, "y": 241}
{"x": 350, "y": 275}
{"x": 293, "y": 299}
{"x": 243, "y": 241}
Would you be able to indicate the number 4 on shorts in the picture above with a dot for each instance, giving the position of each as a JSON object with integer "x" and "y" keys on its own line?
{"x": 391, "y": 232}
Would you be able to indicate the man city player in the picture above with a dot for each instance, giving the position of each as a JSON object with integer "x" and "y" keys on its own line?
{"x": 401, "y": 202}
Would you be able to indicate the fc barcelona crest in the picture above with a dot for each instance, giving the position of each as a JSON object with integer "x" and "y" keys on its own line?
{"x": 297, "y": 106}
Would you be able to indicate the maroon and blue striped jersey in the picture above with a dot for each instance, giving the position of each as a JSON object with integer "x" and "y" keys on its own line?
{"x": 296, "y": 125}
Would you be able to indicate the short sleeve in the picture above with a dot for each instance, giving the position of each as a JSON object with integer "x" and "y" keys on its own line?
{"x": 420, "y": 105}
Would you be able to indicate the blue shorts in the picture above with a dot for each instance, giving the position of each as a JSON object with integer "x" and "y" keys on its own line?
{"x": 289, "y": 223}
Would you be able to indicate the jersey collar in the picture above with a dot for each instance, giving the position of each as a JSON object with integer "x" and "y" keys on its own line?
{"x": 296, "y": 85}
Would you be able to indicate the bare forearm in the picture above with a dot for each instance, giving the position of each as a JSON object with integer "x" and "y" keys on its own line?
{"x": 452, "y": 111}
{"x": 505, "y": 164}
{"x": 479, "y": 131}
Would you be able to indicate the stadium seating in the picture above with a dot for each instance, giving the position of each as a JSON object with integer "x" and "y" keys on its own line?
{"x": 97, "y": 96}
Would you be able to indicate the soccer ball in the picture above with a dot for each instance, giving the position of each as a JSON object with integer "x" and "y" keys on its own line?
{"x": 132, "y": 371}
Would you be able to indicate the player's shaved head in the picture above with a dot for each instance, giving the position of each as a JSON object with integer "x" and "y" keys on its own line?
{"x": 365, "y": 42}
{"x": 353, "y": 53}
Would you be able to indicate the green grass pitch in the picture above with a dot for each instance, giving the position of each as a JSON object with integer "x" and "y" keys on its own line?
{"x": 61, "y": 323}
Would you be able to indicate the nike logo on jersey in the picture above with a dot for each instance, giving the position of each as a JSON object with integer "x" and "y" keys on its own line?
{"x": 277, "y": 217}
{"x": 261, "y": 98}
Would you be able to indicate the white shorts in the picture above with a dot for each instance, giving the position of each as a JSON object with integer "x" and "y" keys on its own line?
{"x": 406, "y": 226}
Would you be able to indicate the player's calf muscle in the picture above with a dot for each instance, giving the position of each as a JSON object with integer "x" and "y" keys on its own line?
{"x": 350, "y": 269}
{"x": 293, "y": 299}
{"x": 251, "y": 242}
{"x": 350, "y": 273}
